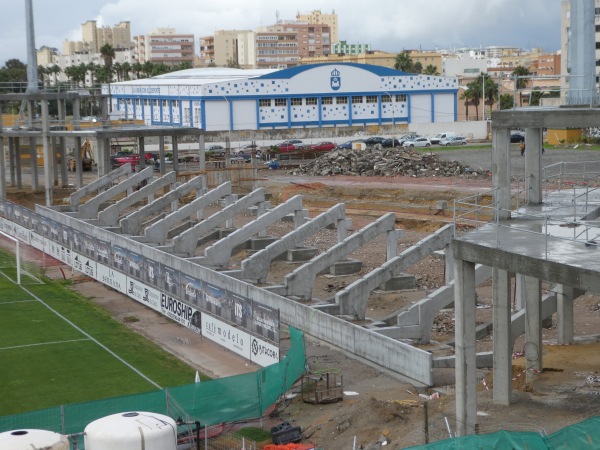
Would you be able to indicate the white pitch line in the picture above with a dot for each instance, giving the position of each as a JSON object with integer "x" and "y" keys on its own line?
{"x": 92, "y": 338}
{"x": 20, "y": 301}
{"x": 42, "y": 343}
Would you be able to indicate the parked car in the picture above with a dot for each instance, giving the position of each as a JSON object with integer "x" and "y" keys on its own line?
{"x": 453, "y": 140}
{"x": 407, "y": 137}
{"x": 286, "y": 147}
{"x": 440, "y": 136}
{"x": 349, "y": 144}
{"x": 374, "y": 140}
{"x": 517, "y": 136}
{"x": 324, "y": 146}
{"x": 216, "y": 149}
{"x": 120, "y": 158}
{"x": 388, "y": 143}
{"x": 418, "y": 142}
{"x": 249, "y": 149}
{"x": 297, "y": 143}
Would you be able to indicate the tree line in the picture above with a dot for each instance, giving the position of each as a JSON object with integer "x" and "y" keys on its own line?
{"x": 15, "y": 71}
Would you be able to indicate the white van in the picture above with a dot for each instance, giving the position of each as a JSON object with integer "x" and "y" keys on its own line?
{"x": 438, "y": 137}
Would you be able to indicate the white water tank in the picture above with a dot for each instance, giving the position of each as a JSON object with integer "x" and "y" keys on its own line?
{"x": 31, "y": 439}
{"x": 132, "y": 431}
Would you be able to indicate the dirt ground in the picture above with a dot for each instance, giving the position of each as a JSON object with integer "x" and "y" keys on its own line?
{"x": 379, "y": 407}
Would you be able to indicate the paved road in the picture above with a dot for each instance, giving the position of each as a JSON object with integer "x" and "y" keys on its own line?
{"x": 578, "y": 160}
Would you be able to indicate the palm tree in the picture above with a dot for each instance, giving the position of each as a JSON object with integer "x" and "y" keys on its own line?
{"x": 404, "y": 62}
{"x": 137, "y": 69}
{"x": 126, "y": 68}
{"x": 42, "y": 71}
{"x": 55, "y": 70}
{"x": 118, "y": 69}
{"x": 91, "y": 68}
{"x": 491, "y": 89}
{"x": 108, "y": 54}
{"x": 475, "y": 87}
{"x": 431, "y": 70}
{"x": 521, "y": 83}
{"x": 467, "y": 96}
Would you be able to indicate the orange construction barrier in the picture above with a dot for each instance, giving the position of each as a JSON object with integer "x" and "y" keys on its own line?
{"x": 291, "y": 446}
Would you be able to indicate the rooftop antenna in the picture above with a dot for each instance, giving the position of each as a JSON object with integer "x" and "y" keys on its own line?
{"x": 32, "y": 74}
{"x": 277, "y": 20}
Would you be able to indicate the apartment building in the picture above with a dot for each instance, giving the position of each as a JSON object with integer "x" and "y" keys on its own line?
{"x": 206, "y": 51}
{"x": 165, "y": 46}
{"x": 372, "y": 57}
{"x": 94, "y": 37}
{"x": 316, "y": 17}
{"x": 283, "y": 45}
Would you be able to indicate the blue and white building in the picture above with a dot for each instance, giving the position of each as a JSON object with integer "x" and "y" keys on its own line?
{"x": 319, "y": 95}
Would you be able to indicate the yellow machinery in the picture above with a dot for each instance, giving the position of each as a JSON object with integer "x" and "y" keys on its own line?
{"x": 87, "y": 159}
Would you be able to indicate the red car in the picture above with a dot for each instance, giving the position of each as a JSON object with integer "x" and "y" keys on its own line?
{"x": 286, "y": 146}
{"x": 324, "y": 146}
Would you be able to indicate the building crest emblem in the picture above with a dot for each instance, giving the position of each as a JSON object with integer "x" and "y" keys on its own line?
{"x": 335, "y": 80}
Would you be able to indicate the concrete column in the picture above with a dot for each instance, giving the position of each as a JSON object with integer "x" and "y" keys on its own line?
{"x": 519, "y": 292}
{"x": 262, "y": 209}
{"x": 202, "y": 153}
{"x": 35, "y": 183}
{"x": 62, "y": 142}
{"x": 161, "y": 155}
{"x": 231, "y": 199}
{"x": 11, "y": 160}
{"x": 391, "y": 245}
{"x": 533, "y": 165}
{"x": 18, "y": 181}
{"x": 502, "y": 337}
{"x": 501, "y": 171}
{"x": 76, "y": 114}
{"x": 564, "y": 309}
{"x": 78, "y": 163}
{"x": 533, "y": 324}
{"x": 341, "y": 230}
{"x": 175, "y": 151}
{"x": 448, "y": 263}
{"x": 104, "y": 111}
{"x": 102, "y": 150}
{"x": 47, "y": 155}
{"x": 54, "y": 155}
{"x": 466, "y": 369}
{"x": 142, "y": 152}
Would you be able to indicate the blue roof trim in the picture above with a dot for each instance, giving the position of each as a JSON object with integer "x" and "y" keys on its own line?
{"x": 293, "y": 71}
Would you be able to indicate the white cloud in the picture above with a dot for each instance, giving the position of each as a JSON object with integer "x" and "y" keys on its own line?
{"x": 386, "y": 25}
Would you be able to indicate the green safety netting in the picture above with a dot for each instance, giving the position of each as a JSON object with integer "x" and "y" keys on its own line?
{"x": 580, "y": 436}
{"x": 210, "y": 402}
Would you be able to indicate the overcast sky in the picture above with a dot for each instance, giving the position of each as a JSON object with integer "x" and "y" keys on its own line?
{"x": 389, "y": 25}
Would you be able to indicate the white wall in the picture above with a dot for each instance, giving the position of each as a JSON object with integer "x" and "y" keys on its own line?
{"x": 470, "y": 130}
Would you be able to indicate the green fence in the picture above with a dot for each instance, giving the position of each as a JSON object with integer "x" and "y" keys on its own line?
{"x": 210, "y": 402}
{"x": 580, "y": 436}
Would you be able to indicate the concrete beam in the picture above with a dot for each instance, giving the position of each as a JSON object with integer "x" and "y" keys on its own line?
{"x": 559, "y": 118}
{"x": 300, "y": 282}
{"x": 187, "y": 241}
{"x": 89, "y": 210}
{"x": 220, "y": 252}
{"x": 256, "y": 267}
{"x": 132, "y": 224}
{"x": 99, "y": 184}
{"x": 157, "y": 232}
{"x": 354, "y": 298}
{"x": 109, "y": 217}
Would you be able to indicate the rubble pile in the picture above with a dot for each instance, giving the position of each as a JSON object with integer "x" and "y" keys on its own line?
{"x": 386, "y": 162}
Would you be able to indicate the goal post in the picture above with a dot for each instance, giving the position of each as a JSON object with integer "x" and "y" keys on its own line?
{"x": 12, "y": 264}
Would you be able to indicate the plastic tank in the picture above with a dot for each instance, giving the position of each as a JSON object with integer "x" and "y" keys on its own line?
{"x": 132, "y": 430}
{"x": 30, "y": 439}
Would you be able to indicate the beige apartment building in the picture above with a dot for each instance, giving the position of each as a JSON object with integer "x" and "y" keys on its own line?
{"x": 94, "y": 37}
{"x": 316, "y": 17}
{"x": 165, "y": 46}
{"x": 228, "y": 47}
